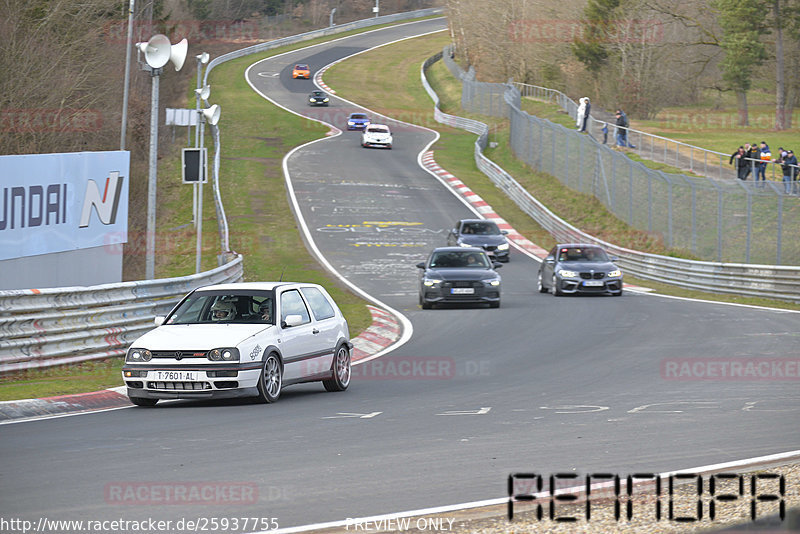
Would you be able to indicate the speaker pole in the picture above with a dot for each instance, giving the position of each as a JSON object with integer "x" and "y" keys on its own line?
{"x": 127, "y": 76}
{"x": 150, "y": 257}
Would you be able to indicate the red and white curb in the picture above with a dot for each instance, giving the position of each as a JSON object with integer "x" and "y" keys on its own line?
{"x": 482, "y": 207}
{"x": 384, "y": 331}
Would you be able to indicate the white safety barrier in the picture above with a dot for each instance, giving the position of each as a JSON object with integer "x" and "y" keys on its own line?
{"x": 768, "y": 281}
{"x": 45, "y": 327}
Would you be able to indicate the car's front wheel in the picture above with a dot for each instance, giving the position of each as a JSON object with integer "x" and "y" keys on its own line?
{"x": 540, "y": 284}
{"x": 141, "y": 401}
{"x": 341, "y": 371}
{"x": 424, "y": 303}
{"x": 271, "y": 380}
{"x": 554, "y": 289}
{"x": 494, "y": 304}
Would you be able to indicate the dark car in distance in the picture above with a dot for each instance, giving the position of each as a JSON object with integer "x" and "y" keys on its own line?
{"x": 318, "y": 98}
{"x": 482, "y": 234}
{"x": 459, "y": 275}
{"x": 579, "y": 268}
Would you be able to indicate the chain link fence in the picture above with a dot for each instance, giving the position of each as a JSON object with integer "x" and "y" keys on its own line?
{"x": 718, "y": 220}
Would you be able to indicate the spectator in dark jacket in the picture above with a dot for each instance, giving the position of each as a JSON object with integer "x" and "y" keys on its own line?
{"x": 622, "y": 129}
{"x": 790, "y": 172}
{"x": 764, "y": 155}
{"x": 739, "y": 163}
{"x": 753, "y": 155}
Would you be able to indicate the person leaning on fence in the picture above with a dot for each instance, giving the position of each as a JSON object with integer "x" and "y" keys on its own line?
{"x": 752, "y": 154}
{"x": 622, "y": 129}
{"x": 739, "y": 163}
{"x": 790, "y": 173}
{"x": 764, "y": 155}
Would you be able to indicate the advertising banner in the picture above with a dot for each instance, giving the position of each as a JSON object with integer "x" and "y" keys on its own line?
{"x": 61, "y": 202}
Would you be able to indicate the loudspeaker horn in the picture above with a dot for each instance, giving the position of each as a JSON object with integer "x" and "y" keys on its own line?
{"x": 204, "y": 93}
{"x": 212, "y": 114}
{"x": 156, "y": 51}
{"x": 178, "y": 53}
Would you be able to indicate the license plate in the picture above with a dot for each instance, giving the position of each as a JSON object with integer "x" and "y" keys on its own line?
{"x": 593, "y": 283}
{"x": 178, "y": 376}
{"x": 463, "y": 290}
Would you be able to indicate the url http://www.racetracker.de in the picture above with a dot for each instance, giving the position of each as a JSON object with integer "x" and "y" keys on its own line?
{"x": 124, "y": 526}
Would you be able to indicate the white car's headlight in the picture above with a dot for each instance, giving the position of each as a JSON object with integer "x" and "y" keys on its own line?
{"x": 504, "y": 246}
{"x": 429, "y": 282}
{"x": 227, "y": 354}
{"x": 567, "y": 274}
{"x": 615, "y": 274}
{"x": 139, "y": 355}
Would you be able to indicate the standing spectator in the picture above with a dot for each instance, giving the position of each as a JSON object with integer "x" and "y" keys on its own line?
{"x": 764, "y": 155}
{"x": 583, "y": 113}
{"x": 790, "y": 173}
{"x": 605, "y": 132}
{"x": 753, "y": 154}
{"x": 622, "y": 128}
{"x": 737, "y": 159}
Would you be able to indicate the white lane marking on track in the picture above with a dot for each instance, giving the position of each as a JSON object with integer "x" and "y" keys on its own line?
{"x": 644, "y": 407}
{"x": 576, "y": 408}
{"x": 482, "y": 411}
{"x": 269, "y": 74}
{"x": 345, "y": 415}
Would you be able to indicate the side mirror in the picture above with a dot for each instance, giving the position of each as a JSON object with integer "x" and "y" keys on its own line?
{"x": 159, "y": 320}
{"x": 550, "y": 259}
{"x": 496, "y": 265}
{"x": 421, "y": 265}
{"x": 504, "y": 232}
{"x": 614, "y": 259}
{"x": 292, "y": 320}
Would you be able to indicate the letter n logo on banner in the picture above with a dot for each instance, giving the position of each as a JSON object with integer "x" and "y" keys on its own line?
{"x": 105, "y": 204}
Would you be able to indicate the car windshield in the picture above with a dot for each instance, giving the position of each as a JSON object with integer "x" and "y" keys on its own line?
{"x": 480, "y": 228}
{"x": 460, "y": 259}
{"x": 378, "y": 129}
{"x": 220, "y": 307}
{"x": 358, "y": 116}
{"x": 317, "y": 93}
{"x": 301, "y": 67}
{"x": 582, "y": 254}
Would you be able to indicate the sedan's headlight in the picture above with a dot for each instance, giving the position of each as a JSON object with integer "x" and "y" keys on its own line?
{"x": 567, "y": 274}
{"x": 504, "y": 246}
{"x": 615, "y": 274}
{"x": 139, "y": 355}
{"x": 493, "y": 283}
{"x": 324, "y": 99}
{"x": 430, "y": 282}
{"x": 228, "y": 355}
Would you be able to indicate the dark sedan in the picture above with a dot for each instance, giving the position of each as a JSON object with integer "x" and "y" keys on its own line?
{"x": 482, "y": 234}
{"x": 318, "y": 98}
{"x": 459, "y": 275}
{"x": 579, "y": 268}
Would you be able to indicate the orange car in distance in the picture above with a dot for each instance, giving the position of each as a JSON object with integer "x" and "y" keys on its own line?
{"x": 301, "y": 71}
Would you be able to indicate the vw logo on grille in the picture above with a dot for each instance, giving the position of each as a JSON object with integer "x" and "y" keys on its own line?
{"x": 178, "y": 355}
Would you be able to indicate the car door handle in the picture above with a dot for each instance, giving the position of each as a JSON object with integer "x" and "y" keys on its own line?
{"x": 315, "y": 331}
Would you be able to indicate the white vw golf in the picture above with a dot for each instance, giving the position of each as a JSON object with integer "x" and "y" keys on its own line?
{"x": 238, "y": 340}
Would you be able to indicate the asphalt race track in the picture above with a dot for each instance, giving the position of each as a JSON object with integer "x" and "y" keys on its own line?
{"x": 542, "y": 384}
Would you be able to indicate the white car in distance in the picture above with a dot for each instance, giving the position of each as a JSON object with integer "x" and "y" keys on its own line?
{"x": 240, "y": 340}
{"x": 376, "y": 135}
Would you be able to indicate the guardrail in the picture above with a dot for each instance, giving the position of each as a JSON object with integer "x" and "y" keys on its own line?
{"x": 45, "y": 327}
{"x": 779, "y": 282}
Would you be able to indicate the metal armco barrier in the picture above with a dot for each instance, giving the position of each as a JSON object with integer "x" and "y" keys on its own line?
{"x": 44, "y": 327}
{"x": 778, "y": 282}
